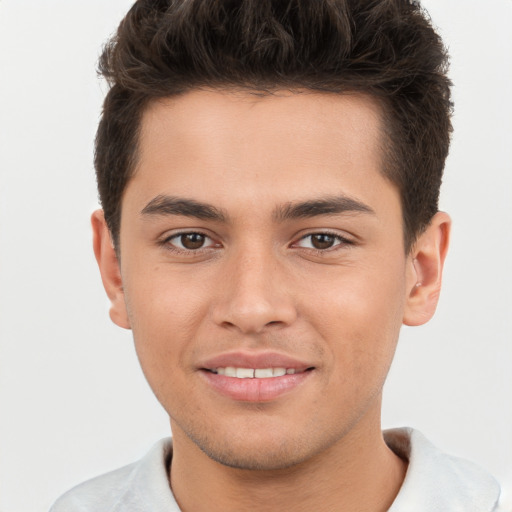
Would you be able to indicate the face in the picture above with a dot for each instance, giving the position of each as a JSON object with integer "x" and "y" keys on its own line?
{"x": 263, "y": 271}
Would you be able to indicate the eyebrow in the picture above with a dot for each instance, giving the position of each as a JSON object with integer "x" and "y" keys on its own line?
{"x": 330, "y": 205}
{"x": 169, "y": 205}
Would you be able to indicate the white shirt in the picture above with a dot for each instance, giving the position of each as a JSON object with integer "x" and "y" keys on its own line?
{"x": 435, "y": 482}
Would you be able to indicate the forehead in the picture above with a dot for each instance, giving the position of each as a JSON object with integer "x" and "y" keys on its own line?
{"x": 251, "y": 118}
{"x": 206, "y": 144}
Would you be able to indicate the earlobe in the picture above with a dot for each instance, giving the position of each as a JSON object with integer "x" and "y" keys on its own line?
{"x": 108, "y": 264}
{"x": 424, "y": 276}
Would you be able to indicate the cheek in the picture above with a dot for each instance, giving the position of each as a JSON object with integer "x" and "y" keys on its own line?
{"x": 360, "y": 319}
{"x": 163, "y": 298}
{"x": 164, "y": 314}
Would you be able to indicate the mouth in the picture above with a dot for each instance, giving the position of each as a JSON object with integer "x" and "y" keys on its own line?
{"x": 260, "y": 377}
{"x": 255, "y": 373}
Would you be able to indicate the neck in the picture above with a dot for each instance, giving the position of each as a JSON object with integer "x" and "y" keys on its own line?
{"x": 359, "y": 472}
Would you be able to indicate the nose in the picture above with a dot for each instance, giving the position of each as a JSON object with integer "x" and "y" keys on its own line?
{"x": 255, "y": 294}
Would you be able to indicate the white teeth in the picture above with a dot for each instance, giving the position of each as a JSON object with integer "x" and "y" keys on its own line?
{"x": 251, "y": 373}
{"x": 245, "y": 373}
{"x": 263, "y": 373}
{"x": 229, "y": 371}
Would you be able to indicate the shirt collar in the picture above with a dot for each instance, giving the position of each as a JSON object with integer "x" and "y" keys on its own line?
{"x": 437, "y": 482}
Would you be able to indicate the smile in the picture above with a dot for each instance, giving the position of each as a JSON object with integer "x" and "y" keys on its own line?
{"x": 255, "y": 384}
{"x": 253, "y": 373}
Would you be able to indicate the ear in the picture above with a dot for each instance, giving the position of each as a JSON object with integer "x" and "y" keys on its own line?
{"x": 425, "y": 270}
{"x": 109, "y": 269}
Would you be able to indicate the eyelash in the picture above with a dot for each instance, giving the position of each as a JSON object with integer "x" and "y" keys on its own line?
{"x": 340, "y": 242}
{"x": 166, "y": 243}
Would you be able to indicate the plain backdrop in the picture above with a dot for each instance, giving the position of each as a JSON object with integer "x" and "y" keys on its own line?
{"x": 73, "y": 402}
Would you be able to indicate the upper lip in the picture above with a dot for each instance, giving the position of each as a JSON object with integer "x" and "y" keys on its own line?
{"x": 239, "y": 359}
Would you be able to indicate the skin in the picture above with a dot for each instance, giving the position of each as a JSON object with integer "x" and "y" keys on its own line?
{"x": 258, "y": 284}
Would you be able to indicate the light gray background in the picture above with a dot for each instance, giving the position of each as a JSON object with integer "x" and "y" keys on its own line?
{"x": 73, "y": 400}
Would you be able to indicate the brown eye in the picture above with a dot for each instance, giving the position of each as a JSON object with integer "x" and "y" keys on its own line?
{"x": 322, "y": 241}
{"x": 192, "y": 241}
{"x": 189, "y": 241}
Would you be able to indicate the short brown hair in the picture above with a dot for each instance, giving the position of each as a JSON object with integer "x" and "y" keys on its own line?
{"x": 383, "y": 48}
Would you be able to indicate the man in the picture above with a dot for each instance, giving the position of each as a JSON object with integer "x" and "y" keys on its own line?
{"x": 269, "y": 174}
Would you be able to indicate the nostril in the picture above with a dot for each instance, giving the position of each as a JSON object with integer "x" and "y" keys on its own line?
{"x": 251, "y": 314}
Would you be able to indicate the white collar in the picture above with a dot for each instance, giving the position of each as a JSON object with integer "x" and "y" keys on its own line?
{"x": 437, "y": 482}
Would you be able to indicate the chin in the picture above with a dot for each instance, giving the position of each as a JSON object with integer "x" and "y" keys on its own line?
{"x": 266, "y": 458}
{"x": 263, "y": 448}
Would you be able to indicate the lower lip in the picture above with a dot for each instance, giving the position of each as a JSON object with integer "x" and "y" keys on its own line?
{"x": 255, "y": 390}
